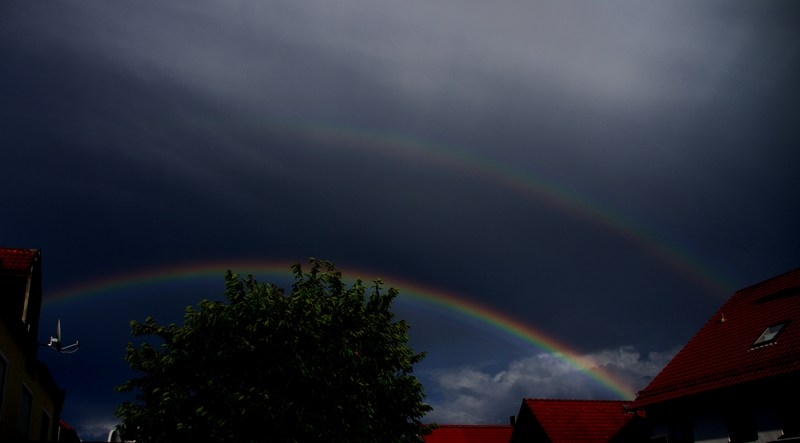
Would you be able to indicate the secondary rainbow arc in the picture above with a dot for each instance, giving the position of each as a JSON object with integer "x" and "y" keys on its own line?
{"x": 525, "y": 183}
{"x": 466, "y": 310}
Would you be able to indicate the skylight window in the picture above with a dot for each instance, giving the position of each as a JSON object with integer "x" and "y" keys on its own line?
{"x": 769, "y": 335}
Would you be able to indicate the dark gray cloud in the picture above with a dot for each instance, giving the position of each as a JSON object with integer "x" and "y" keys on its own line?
{"x": 595, "y": 170}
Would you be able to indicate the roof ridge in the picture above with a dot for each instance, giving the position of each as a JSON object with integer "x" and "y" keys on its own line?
{"x": 474, "y": 425}
{"x": 769, "y": 280}
{"x": 577, "y": 400}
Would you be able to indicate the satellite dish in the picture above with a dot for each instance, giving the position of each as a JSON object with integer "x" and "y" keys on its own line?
{"x": 57, "y": 344}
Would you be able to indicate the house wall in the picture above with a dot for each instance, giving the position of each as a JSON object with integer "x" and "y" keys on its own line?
{"x": 769, "y": 424}
{"x": 18, "y": 378}
{"x": 527, "y": 428}
{"x": 709, "y": 425}
{"x": 713, "y": 428}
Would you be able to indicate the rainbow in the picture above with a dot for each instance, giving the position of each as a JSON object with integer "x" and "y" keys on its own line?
{"x": 410, "y": 292}
{"x": 522, "y": 182}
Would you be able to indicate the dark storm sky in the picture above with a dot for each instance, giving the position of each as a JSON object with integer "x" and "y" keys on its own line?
{"x": 605, "y": 172}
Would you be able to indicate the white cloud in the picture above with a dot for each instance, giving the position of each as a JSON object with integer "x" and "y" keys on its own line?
{"x": 470, "y": 395}
{"x": 95, "y": 432}
{"x": 94, "y": 426}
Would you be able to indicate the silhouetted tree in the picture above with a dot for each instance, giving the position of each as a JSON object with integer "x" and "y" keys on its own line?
{"x": 326, "y": 362}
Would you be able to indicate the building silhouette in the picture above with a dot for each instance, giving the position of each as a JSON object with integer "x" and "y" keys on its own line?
{"x": 30, "y": 400}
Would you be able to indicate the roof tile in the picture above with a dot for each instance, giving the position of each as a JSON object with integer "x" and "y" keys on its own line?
{"x": 722, "y": 354}
{"x": 17, "y": 261}
{"x": 470, "y": 434}
{"x": 586, "y": 421}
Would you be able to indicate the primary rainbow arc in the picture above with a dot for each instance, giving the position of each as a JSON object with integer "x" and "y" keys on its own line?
{"x": 409, "y": 291}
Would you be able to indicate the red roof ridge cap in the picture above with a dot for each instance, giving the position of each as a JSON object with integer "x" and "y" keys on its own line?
{"x": 576, "y": 400}
{"x": 473, "y": 425}
{"x": 770, "y": 280}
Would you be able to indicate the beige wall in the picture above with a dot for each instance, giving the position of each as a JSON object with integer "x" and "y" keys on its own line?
{"x": 16, "y": 378}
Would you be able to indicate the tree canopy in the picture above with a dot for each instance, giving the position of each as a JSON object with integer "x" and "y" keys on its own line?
{"x": 326, "y": 362}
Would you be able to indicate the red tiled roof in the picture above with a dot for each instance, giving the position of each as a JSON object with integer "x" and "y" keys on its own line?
{"x": 470, "y": 434}
{"x": 722, "y": 354}
{"x": 17, "y": 261}
{"x": 585, "y": 421}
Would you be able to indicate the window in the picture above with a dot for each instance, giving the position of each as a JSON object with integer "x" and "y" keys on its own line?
{"x": 44, "y": 427}
{"x": 741, "y": 426}
{"x": 680, "y": 431}
{"x": 25, "y": 410}
{"x": 3, "y": 370}
{"x": 790, "y": 422}
{"x": 769, "y": 335}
